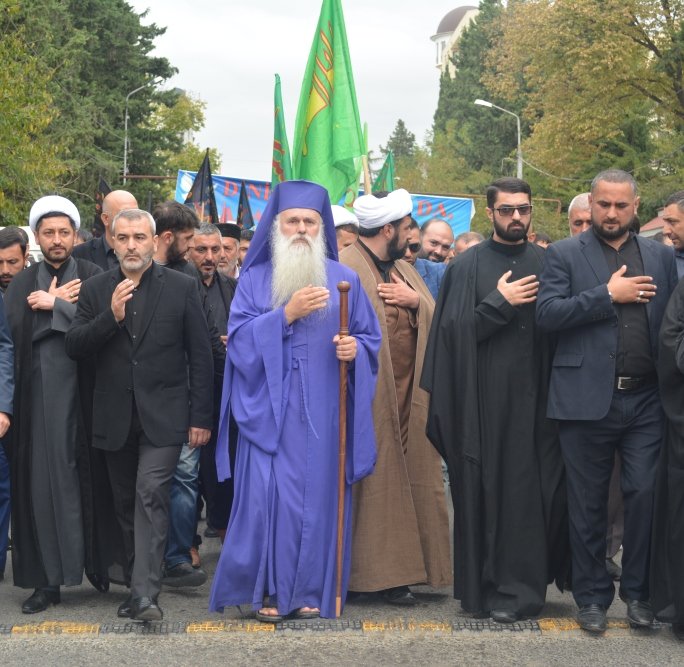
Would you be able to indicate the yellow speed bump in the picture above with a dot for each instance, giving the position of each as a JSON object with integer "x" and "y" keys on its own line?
{"x": 56, "y": 628}
{"x": 210, "y": 627}
{"x": 567, "y": 624}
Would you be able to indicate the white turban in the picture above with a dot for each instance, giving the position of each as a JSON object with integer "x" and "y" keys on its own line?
{"x": 53, "y": 204}
{"x": 374, "y": 212}
{"x": 343, "y": 216}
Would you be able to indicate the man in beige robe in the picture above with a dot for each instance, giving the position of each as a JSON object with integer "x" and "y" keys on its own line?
{"x": 400, "y": 532}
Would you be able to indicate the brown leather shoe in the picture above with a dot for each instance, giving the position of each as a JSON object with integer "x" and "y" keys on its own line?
{"x": 195, "y": 560}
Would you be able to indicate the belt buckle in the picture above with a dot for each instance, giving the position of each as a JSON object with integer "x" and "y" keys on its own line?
{"x": 620, "y": 386}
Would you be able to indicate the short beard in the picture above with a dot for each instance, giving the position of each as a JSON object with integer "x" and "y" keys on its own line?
{"x": 295, "y": 265}
{"x": 617, "y": 233}
{"x": 228, "y": 268}
{"x": 135, "y": 263}
{"x": 512, "y": 236}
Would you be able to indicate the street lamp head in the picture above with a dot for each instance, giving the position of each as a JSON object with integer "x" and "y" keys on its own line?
{"x": 483, "y": 103}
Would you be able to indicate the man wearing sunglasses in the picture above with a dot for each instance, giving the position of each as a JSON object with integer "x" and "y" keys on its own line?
{"x": 486, "y": 367}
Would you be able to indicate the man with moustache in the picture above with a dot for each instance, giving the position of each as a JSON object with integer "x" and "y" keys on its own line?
{"x": 604, "y": 293}
{"x": 176, "y": 225}
{"x": 100, "y": 250}
{"x": 230, "y": 240}
{"x": 431, "y": 272}
{"x": 486, "y": 369}
{"x": 246, "y": 236}
{"x": 673, "y": 227}
{"x": 13, "y": 254}
{"x": 54, "y": 476}
{"x": 436, "y": 239}
{"x": 143, "y": 328}
{"x": 282, "y": 388}
{"x": 401, "y": 527}
{"x": 206, "y": 252}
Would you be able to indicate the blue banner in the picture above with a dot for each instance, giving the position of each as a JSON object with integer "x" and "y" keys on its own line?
{"x": 457, "y": 211}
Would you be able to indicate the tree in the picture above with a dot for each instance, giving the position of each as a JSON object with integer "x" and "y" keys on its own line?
{"x": 482, "y": 138}
{"x": 402, "y": 142}
{"x": 605, "y": 91}
{"x": 97, "y": 51}
{"x": 181, "y": 119}
{"x": 30, "y": 159}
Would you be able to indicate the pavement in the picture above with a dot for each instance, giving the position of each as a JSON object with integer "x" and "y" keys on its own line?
{"x": 84, "y": 629}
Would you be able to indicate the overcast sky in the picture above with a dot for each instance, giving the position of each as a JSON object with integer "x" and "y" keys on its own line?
{"x": 228, "y": 52}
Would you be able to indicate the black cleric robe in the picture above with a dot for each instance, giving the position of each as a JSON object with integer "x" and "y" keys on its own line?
{"x": 667, "y": 549}
{"x": 62, "y": 516}
{"x": 487, "y": 368}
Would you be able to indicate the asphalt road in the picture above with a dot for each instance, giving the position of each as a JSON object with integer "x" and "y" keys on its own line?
{"x": 84, "y": 630}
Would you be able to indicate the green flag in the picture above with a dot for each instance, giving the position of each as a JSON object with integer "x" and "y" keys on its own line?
{"x": 385, "y": 179}
{"x": 328, "y": 134}
{"x": 282, "y": 166}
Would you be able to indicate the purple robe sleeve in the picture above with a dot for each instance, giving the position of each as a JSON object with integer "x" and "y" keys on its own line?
{"x": 363, "y": 372}
{"x": 256, "y": 372}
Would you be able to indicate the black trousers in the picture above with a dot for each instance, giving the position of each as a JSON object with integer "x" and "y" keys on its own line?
{"x": 217, "y": 495}
{"x": 634, "y": 428}
{"x": 141, "y": 475}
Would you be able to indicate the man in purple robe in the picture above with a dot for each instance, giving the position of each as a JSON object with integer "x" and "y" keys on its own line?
{"x": 282, "y": 387}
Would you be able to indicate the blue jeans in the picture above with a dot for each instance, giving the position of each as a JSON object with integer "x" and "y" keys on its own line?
{"x": 183, "y": 508}
{"x": 4, "y": 506}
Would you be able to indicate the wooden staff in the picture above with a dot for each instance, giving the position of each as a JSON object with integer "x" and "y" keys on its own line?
{"x": 343, "y": 288}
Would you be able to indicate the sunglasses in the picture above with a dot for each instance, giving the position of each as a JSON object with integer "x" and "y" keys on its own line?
{"x": 414, "y": 247}
{"x": 508, "y": 211}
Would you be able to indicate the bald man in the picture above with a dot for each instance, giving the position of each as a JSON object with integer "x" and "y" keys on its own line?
{"x": 579, "y": 214}
{"x": 100, "y": 250}
{"x": 436, "y": 239}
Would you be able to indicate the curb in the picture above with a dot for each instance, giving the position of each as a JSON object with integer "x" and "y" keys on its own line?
{"x": 540, "y": 627}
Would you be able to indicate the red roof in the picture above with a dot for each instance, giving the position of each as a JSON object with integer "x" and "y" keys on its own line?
{"x": 651, "y": 225}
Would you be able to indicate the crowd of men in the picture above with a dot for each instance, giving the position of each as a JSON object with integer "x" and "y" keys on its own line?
{"x": 170, "y": 363}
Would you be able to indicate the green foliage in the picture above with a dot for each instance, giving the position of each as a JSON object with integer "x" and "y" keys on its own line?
{"x": 76, "y": 61}
{"x": 30, "y": 158}
{"x": 402, "y": 142}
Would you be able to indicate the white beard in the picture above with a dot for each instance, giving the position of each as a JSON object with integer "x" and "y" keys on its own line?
{"x": 295, "y": 265}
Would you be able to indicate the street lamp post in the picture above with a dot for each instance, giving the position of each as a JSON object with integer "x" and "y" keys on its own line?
{"x": 485, "y": 103}
{"x": 154, "y": 82}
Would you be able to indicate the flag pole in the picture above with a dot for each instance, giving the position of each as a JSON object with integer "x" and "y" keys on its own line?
{"x": 367, "y": 187}
{"x": 343, "y": 288}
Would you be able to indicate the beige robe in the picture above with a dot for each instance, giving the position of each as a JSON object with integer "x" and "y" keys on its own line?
{"x": 400, "y": 530}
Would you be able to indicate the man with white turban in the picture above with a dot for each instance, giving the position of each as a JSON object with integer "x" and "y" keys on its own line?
{"x": 400, "y": 525}
{"x": 56, "y": 480}
{"x": 346, "y": 226}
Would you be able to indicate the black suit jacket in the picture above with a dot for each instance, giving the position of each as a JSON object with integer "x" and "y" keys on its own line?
{"x": 573, "y": 300}
{"x": 168, "y": 369}
{"x": 94, "y": 251}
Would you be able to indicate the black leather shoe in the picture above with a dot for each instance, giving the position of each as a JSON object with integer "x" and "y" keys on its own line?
{"x": 124, "y": 610}
{"x": 678, "y": 631}
{"x": 98, "y": 582}
{"x": 40, "y": 600}
{"x": 639, "y": 613}
{"x": 613, "y": 569}
{"x": 146, "y": 609}
{"x": 592, "y": 618}
{"x": 504, "y": 616}
{"x": 400, "y": 595}
{"x": 210, "y": 531}
{"x": 184, "y": 574}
